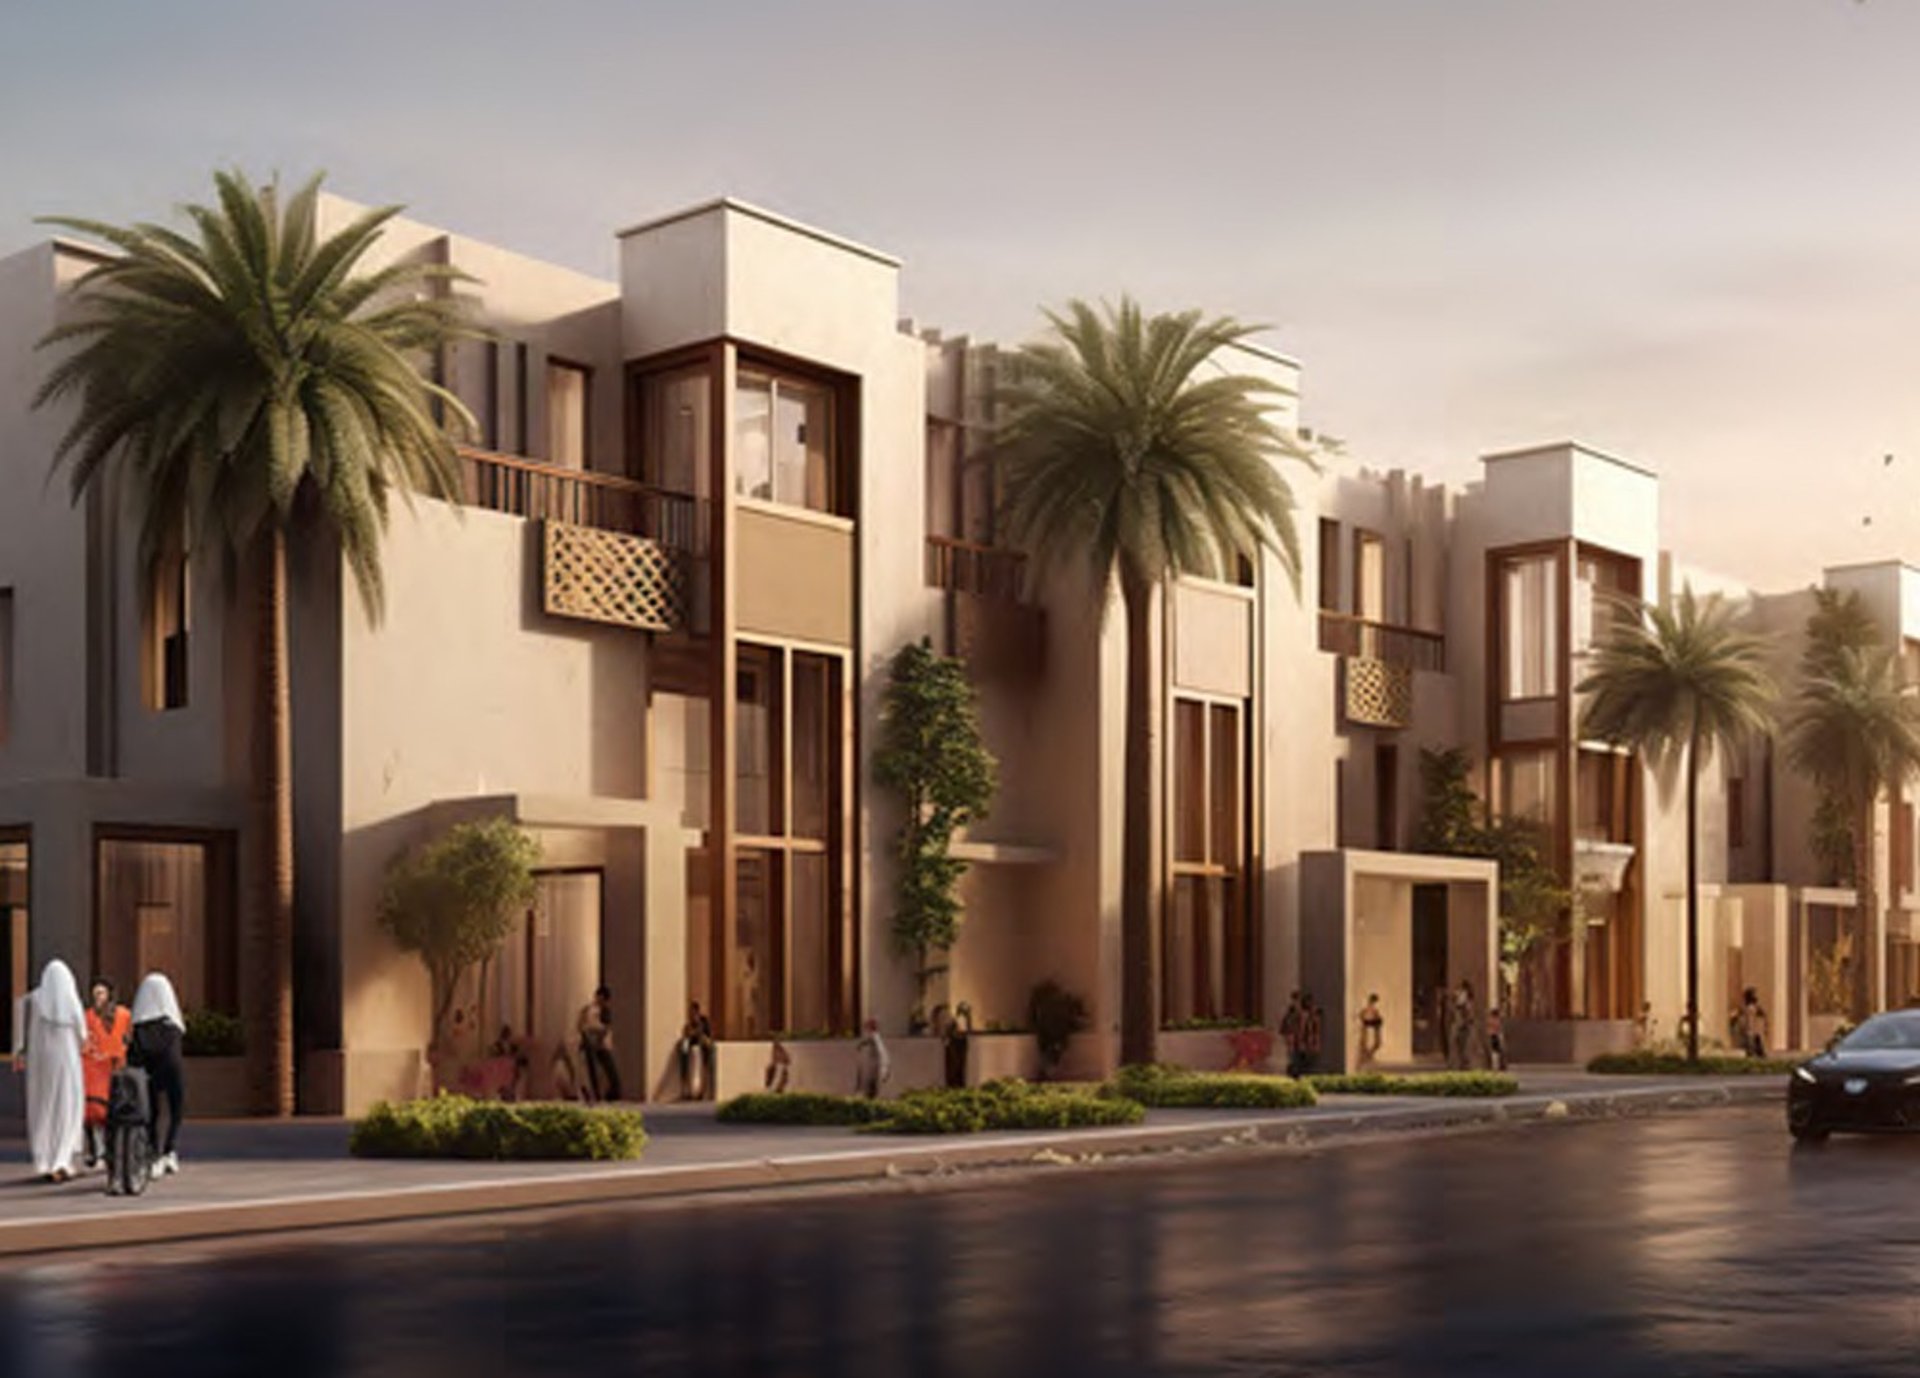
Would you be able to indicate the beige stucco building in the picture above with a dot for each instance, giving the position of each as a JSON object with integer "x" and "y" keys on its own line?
{"x": 707, "y": 504}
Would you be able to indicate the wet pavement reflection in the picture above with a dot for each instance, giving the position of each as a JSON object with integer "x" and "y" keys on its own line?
{"x": 1700, "y": 1244}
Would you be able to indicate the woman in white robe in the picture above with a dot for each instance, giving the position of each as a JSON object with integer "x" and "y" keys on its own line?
{"x": 53, "y": 1024}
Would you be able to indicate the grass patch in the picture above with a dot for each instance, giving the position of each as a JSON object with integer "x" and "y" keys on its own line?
{"x": 800, "y": 1107}
{"x": 1465, "y": 1084}
{"x": 1648, "y": 1063}
{"x": 448, "y": 1126}
{"x": 1159, "y": 1085}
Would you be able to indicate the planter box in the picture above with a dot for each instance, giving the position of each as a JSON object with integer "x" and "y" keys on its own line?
{"x": 824, "y": 1064}
{"x": 992, "y": 1056}
{"x": 1210, "y": 1050}
{"x": 1567, "y": 1041}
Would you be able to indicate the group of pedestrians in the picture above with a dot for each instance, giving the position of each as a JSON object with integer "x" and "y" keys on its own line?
{"x": 71, "y": 1053}
{"x": 1469, "y": 1041}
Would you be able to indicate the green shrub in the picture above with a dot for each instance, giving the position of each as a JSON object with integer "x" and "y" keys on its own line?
{"x": 1157, "y": 1084}
{"x": 1416, "y": 1084}
{"x": 1056, "y": 1014}
{"x": 1002, "y": 1105}
{"x": 210, "y": 1033}
{"x": 448, "y": 1126}
{"x": 1646, "y": 1063}
{"x": 1228, "y": 1025}
{"x": 800, "y": 1107}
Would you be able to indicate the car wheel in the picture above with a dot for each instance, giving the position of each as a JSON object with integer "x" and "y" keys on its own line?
{"x": 1807, "y": 1132}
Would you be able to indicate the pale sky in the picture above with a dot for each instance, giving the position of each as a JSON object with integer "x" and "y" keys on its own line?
{"x": 1684, "y": 231}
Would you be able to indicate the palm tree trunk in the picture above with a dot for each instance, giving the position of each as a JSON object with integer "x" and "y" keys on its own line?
{"x": 266, "y": 947}
{"x": 1138, "y": 1026}
{"x": 1866, "y": 894}
{"x": 1693, "y": 893}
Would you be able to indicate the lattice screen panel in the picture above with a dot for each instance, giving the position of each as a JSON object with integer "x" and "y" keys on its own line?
{"x": 1378, "y": 694}
{"x": 608, "y": 576}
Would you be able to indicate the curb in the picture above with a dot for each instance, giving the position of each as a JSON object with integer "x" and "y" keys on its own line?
{"x": 1283, "y": 1130}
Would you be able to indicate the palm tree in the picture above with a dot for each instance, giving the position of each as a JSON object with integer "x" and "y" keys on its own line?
{"x": 1128, "y": 447}
{"x": 239, "y": 383}
{"x": 1679, "y": 681}
{"x": 1855, "y": 730}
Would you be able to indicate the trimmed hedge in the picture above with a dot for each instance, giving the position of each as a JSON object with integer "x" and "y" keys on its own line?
{"x": 1676, "y": 1064}
{"x": 210, "y": 1033}
{"x": 450, "y": 1126}
{"x": 1416, "y": 1084}
{"x": 1157, "y": 1084}
{"x": 1009, "y": 1104}
{"x": 800, "y": 1107}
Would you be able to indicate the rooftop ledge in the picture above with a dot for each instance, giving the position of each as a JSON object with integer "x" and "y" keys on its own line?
{"x": 1550, "y": 447}
{"x": 773, "y": 218}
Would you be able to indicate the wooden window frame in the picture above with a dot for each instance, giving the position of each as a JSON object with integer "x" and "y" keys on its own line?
{"x": 586, "y": 372}
{"x": 1327, "y": 555}
{"x": 1240, "y": 977}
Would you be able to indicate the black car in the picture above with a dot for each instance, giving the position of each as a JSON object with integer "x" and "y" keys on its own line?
{"x": 1867, "y": 1082}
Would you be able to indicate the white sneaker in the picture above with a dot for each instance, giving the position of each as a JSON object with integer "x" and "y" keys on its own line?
{"x": 169, "y": 1164}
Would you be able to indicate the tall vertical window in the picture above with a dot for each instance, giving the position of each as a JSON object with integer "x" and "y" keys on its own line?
{"x": 676, "y": 430}
{"x": 167, "y": 904}
{"x": 1737, "y": 813}
{"x": 1529, "y": 590}
{"x": 783, "y": 441}
{"x": 1329, "y": 565}
{"x": 569, "y": 390}
{"x": 1207, "y": 965}
{"x": 14, "y": 890}
{"x": 1386, "y": 796}
{"x": 1528, "y": 785}
{"x": 6, "y": 664}
{"x": 792, "y": 933}
{"x": 1369, "y": 576}
{"x": 1604, "y": 586}
{"x": 163, "y": 667}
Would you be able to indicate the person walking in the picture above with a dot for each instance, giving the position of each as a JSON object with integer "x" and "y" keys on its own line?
{"x": 1290, "y": 1033}
{"x": 872, "y": 1065}
{"x": 1463, "y": 1023}
{"x": 50, "y": 1028}
{"x": 156, "y": 1048}
{"x": 1372, "y": 1031}
{"x": 1753, "y": 1024}
{"x": 595, "y": 1027}
{"x": 1312, "y": 1034}
{"x": 104, "y": 1051}
{"x": 695, "y": 1045}
{"x": 1496, "y": 1039}
{"x": 779, "y": 1067}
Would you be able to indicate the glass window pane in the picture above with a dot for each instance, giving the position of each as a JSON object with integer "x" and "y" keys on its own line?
{"x": 1189, "y": 781}
{"x": 1529, "y": 627}
{"x": 816, "y": 745}
{"x": 1527, "y": 786}
{"x": 678, "y": 420}
{"x": 758, "y": 744}
{"x": 1369, "y": 576}
{"x": 1224, "y": 786}
{"x": 754, "y": 1009}
{"x": 567, "y": 415}
{"x": 1180, "y": 972}
{"x": 803, "y": 445}
{"x": 753, "y": 437}
{"x": 13, "y": 932}
{"x": 810, "y": 953}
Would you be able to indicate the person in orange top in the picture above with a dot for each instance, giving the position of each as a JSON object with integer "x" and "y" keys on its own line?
{"x": 106, "y": 1049}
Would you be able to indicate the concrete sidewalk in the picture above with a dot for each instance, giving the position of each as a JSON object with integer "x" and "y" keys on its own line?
{"x": 250, "y": 1177}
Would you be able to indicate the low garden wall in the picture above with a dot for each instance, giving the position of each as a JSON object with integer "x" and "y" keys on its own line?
{"x": 1564, "y": 1041}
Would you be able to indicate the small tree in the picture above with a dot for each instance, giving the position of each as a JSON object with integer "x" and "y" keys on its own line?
{"x": 930, "y": 752}
{"x": 454, "y": 899}
{"x": 1534, "y": 900}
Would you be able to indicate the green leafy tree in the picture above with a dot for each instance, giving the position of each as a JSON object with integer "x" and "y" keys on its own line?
{"x": 1854, "y": 731}
{"x": 1533, "y": 899}
{"x": 453, "y": 901}
{"x": 932, "y": 756}
{"x": 1126, "y": 448}
{"x": 1675, "y": 682}
{"x": 240, "y": 382}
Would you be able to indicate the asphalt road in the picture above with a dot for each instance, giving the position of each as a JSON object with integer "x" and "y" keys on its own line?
{"x": 1699, "y": 1244}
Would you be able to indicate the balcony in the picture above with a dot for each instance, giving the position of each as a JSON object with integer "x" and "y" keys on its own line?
{"x": 612, "y": 551}
{"x": 604, "y": 502}
{"x": 1406, "y": 648}
{"x": 986, "y": 571}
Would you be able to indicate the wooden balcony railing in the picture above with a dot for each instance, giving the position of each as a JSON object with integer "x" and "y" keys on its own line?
{"x": 985, "y": 570}
{"x": 1346, "y": 635}
{"x": 528, "y": 488}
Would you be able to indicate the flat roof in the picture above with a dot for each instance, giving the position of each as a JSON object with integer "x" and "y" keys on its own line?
{"x": 732, "y": 203}
{"x": 1550, "y": 447}
{"x": 1891, "y": 562}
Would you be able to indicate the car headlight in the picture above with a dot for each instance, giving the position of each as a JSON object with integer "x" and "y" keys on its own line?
{"x": 1810, "y": 1078}
{"x": 1911, "y": 1080}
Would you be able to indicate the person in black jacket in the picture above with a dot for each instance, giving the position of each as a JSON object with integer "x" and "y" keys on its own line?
{"x": 158, "y": 1031}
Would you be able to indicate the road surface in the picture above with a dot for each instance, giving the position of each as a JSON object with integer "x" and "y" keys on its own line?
{"x": 1698, "y": 1244}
